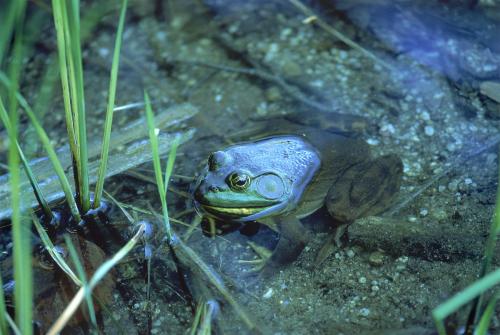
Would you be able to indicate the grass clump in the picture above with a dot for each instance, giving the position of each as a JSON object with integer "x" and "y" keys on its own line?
{"x": 66, "y": 17}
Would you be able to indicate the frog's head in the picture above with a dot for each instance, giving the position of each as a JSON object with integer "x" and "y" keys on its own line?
{"x": 249, "y": 181}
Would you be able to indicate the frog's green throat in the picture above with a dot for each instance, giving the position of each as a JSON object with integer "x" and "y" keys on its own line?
{"x": 253, "y": 180}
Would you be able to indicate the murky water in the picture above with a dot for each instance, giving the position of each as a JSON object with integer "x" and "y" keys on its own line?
{"x": 423, "y": 82}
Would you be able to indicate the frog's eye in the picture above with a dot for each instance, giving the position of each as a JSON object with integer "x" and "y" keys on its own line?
{"x": 238, "y": 181}
{"x": 216, "y": 160}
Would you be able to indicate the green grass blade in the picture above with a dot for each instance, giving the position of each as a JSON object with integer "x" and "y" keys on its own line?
{"x": 83, "y": 279}
{"x": 8, "y": 19}
{"x": 485, "y": 320}
{"x": 55, "y": 162}
{"x": 23, "y": 300}
{"x": 72, "y": 19}
{"x": 461, "y": 298}
{"x": 31, "y": 177}
{"x": 109, "y": 111}
{"x": 63, "y": 70}
{"x": 12, "y": 325}
{"x": 153, "y": 137}
{"x": 51, "y": 249}
{"x": 170, "y": 162}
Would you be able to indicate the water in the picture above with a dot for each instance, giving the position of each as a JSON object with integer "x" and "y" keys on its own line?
{"x": 424, "y": 81}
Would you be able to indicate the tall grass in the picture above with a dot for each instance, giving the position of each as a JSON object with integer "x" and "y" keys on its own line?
{"x": 20, "y": 227}
{"x": 66, "y": 17}
{"x": 160, "y": 182}
{"x": 110, "y": 108}
{"x": 67, "y": 22}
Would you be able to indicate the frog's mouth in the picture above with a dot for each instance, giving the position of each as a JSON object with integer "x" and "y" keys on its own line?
{"x": 242, "y": 214}
{"x": 233, "y": 211}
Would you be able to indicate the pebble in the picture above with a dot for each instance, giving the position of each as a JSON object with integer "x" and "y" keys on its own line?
{"x": 424, "y": 212}
{"x": 376, "y": 258}
{"x": 412, "y": 219}
{"x": 350, "y": 253}
{"x": 269, "y": 293}
{"x": 425, "y": 116}
{"x": 364, "y": 311}
{"x": 273, "y": 94}
{"x": 429, "y": 130}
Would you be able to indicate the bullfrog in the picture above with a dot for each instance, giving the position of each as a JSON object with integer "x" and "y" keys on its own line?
{"x": 289, "y": 170}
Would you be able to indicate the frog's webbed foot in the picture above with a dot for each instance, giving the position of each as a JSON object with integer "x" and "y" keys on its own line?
{"x": 263, "y": 256}
{"x": 293, "y": 239}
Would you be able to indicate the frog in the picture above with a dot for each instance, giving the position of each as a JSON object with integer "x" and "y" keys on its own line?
{"x": 287, "y": 168}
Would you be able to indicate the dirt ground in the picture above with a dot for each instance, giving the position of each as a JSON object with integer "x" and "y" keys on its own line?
{"x": 424, "y": 86}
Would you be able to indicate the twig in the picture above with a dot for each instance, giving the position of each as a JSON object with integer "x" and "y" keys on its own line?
{"x": 334, "y": 32}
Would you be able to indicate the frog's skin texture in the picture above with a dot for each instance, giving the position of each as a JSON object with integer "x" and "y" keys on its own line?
{"x": 289, "y": 172}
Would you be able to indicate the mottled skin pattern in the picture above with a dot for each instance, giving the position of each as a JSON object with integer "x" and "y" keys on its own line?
{"x": 309, "y": 168}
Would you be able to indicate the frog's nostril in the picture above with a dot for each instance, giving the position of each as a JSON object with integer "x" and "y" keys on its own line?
{"x": 213, "y": 189}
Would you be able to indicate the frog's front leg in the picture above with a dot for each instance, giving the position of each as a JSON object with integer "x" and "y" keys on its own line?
{"x": 292, "y": 240}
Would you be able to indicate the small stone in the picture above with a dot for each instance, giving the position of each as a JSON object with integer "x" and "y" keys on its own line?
{"x": 429, "y": 130}
{"x": 412, "y": 219}
{"x": 376, "y": 258}
{"x": 364, "y": 311}
{"x": 350, "y": 253}
{"x": 375, "y": 288}
{"x": 262, "y": 109}
{"x": 273, "y": 94}
{"x": 269, "y": 293}
{"x": 468, "y": 181}
{"x": 372, "y": 141}
{"x": 423, "y": 212}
